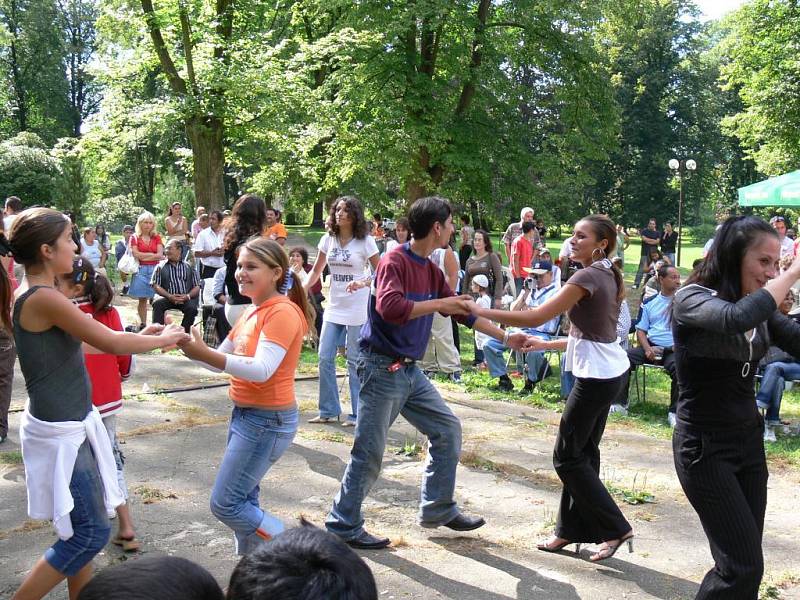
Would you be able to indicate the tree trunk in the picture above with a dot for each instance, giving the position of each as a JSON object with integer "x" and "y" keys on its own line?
{"x": 208, "y": 153}
{"x": 318, "y": 218}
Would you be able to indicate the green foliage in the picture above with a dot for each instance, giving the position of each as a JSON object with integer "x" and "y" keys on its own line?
{"x": 72, "y": 186}
{"x": 27, "y": 170}
{"x": 113, "y": 212}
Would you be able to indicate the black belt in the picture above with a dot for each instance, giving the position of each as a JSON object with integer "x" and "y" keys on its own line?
{"x": 401, "y": 359}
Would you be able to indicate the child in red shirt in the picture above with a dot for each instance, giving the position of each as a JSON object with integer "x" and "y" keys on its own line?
{"x": 93, "y": 294}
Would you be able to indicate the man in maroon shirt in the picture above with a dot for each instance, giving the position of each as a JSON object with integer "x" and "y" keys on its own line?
{"x": 408, "y": 289}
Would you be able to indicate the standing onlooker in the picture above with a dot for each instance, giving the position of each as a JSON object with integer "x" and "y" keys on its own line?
{"x": 120, "y": 248}
{"x": 196, "y": 227}
{"x": 274, "y": 228}
{"x": 466, "y": 234}
{"x": 515, "y": 230}
{"x": 208, "y": 246}
{"x": 522, "y": 254}
{"x": 724, "y": 319}
{"x": 8, "y": 353}
{"x": 92, "y": 292}
{"x": 623, "y": 241}
{"x": 92, "y": 249}
{"x": 348, "y": 250}
{"x": 486, "y": 262}
{"x": 401, "y": 234}
{"x": 591, "y": 299}
{"x": 787, "y": 245}
{"x": 147, "y": 248}
{"x": 249, "y": 218}
{"x": 669, "y": 240}
{"x": 261, "y": 356}
{"x": 441, "y": 354}
{"x": 177, "y": 227}
{"x": 298, "y": 262}
{"x": 12, "y": 208}
{"x": 542, "y": 231}
{"x": 651, "y": 237}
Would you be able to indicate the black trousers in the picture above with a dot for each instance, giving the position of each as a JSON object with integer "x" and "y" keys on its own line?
{"x": 637, "y": 358}
{"x": 189, "y": 310}
{"x": 587, "y": 512}
{"x": 724, "y": 476}
{"x": 463, "y": 254}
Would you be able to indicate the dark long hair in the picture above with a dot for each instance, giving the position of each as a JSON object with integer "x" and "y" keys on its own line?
{"x": 248, "y": 218}
{"x": 95, "y": 285}
{"x": 487, "y": 241}
{"x": 356, "y": 212}
{"x": 605, "y": 229}
{"x": 721, "y": 270}
{"x": 33, "y": 228}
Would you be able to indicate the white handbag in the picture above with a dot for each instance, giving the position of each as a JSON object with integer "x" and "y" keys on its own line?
{"x": 128, "y": 263}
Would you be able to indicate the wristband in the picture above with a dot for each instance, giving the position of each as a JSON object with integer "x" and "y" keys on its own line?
{"x": 505, "y": 337}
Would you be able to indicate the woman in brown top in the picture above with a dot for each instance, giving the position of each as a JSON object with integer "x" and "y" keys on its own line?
{"x": 483, "y": 262}
{"x": 591, "y": 298}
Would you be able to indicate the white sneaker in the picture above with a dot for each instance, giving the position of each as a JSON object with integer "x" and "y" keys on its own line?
{"x": 769, "y": 434}
{"x": 671, "y": 419}
{"x": 618, "y": 408}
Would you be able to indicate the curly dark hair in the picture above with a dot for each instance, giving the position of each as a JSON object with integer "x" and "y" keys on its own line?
{"x": 248, "y": 218}
{"x": 356, "y": 212}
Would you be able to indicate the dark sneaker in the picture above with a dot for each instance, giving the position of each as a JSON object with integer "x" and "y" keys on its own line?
{"x": 462, "y": 522}
{"x": 125, "y": 290}
{"x": 528, "y": 389}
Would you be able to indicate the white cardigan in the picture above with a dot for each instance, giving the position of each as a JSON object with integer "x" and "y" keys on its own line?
{"x": 49, "y": 450}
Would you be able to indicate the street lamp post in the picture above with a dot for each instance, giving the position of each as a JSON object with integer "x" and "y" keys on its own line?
{"x": 680, "y": 166}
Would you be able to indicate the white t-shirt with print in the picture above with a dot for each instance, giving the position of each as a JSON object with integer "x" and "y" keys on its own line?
{"x": 346, "y": 265}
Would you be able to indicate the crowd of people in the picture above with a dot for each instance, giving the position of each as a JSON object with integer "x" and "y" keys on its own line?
{"x": 394, "y": 304}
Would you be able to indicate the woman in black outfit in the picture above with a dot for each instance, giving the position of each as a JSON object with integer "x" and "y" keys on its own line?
{"x": 724, "y": 320}
{"x": 249, "y": 218}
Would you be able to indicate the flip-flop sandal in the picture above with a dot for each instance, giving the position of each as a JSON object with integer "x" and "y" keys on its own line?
{"x": 128, "y": 544}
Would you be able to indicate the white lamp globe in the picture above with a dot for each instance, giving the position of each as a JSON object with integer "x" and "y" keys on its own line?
{"x": 691, "y": 165}
{"x": 674, "y": 164}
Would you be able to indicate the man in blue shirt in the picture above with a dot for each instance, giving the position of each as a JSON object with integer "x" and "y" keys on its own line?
{"x": 654, "y": 333}
{"x": 545, "y": 288}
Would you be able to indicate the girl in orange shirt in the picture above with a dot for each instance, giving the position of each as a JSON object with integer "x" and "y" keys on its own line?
{"x": 261, "y": 355}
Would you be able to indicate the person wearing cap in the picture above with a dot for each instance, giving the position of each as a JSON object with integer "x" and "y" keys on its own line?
{"x": 545, "y": 256}
{"x": 515, "y": 230}
{"x": 120, "y": 248}
{"x": 787, "y": 245}
{"x": 480, "y": 288}
{"x": 537, "y": 290}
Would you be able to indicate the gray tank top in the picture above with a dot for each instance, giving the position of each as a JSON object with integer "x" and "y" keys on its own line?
{"x": 58, "y": 385}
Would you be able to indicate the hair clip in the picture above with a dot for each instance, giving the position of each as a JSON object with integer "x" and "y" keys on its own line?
{"x": 288, "y": 282}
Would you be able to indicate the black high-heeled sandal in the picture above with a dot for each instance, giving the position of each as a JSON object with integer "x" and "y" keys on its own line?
{"x": 610, "y": 548}
{"x": 545, "y": 547}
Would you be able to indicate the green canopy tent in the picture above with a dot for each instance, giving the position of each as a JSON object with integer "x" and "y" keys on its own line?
{"x": 777, "y": 191}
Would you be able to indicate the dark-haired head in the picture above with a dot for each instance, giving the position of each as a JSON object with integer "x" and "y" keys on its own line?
{"x": 300, "y": 251}
{"x": 731, "y": 266}
{"x": 599, "y": 243}
{"x": 13, "y": 204}
{"x": 249, "y": 218}
{"x": 527, "y": 227}
{"x": 425, "y": 212}
{"x": 304, "y": 562}
{"x": 85, "y": 281}
{"x": 153, "y": 578}
{"x": 357, "y": 221}
{"x": 34, "y": 229}
{"x": 487, "y": 241}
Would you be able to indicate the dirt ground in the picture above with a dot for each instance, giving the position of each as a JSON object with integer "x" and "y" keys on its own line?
{"x": 173, "y": 444}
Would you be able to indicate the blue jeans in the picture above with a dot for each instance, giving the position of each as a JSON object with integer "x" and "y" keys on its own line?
{"x": 90, "y": 525}
{"x": 329, "y": 341}
{"x": 493, "y": 354}
{"x": 384, "y": 395}
{"x": 256, "y": 440}
{"x": 770, "y": 393}
{"x": 671, "y": 257}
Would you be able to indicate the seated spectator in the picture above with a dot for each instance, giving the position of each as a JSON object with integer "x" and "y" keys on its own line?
{"x": 480, "y": 288}
{"x": 536, "y": 362}
{"x": 303, "y": 563}
{"x": 654, "y": 334}
{"x": 298, "y": 261}
{"x": 177, "y": 284}
{"x": 153, "y": 578}
{"x": 779, "y": 367}
{"x": 544, "y": 255}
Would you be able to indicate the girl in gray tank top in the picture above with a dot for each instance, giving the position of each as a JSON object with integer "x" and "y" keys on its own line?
{"x": 48, "y": 329}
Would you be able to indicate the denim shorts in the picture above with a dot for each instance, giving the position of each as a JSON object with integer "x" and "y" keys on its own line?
{"x": 89, "y": 519}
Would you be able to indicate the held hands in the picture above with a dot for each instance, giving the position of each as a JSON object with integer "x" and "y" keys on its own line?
{"x": 532, "y": 343}
{"x": 193, "y": 346}
{"x": 518, "y": 340}
{"x": 458, "y": 305}
{"x": 172, "y": 336}
{"x": 357, "y": 285}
